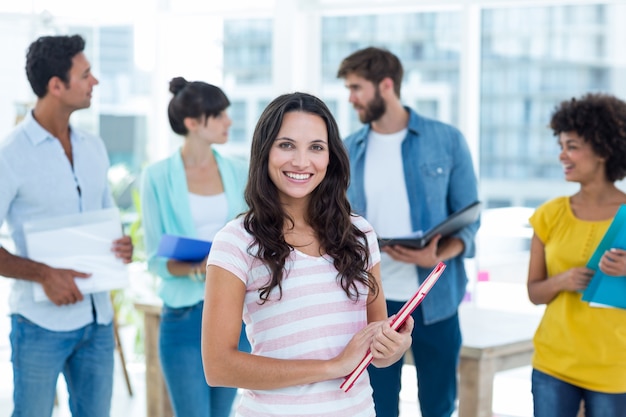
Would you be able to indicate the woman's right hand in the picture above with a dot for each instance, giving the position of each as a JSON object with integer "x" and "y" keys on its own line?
{"x": 576, "y": 279}
{"x": 355, "y": 350}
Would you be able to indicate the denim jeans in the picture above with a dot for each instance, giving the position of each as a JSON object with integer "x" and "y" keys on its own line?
{"x": 181, "y": 360}
{"x": 84, "y": 356}
{"x": 435, "y": 349}
{"x": 553, "y": 397}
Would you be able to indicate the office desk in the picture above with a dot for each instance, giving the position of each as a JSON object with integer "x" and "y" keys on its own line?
{"x": 157, "y": 398}
{"x": 492, "y": 341}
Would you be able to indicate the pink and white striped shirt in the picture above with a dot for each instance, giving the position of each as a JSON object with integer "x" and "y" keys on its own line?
{"x": 314, "y": 319}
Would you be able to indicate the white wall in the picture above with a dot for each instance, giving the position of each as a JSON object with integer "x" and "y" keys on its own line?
{"x": 14, "y": 85}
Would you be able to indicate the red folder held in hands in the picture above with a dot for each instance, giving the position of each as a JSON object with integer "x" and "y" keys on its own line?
{"x": 398, "y": 321}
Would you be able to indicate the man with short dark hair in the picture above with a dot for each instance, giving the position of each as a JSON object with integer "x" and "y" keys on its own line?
{"x": 409, "y": 173}
{"x": 50, "y": 169}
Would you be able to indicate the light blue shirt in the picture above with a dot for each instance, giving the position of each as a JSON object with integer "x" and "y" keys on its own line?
{"x": 166, "y": 209}
{"x": 37, "y": 181}
{"x": 440, "y": 180}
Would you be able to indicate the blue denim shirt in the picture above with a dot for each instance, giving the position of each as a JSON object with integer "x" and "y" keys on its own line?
{"x": 440, "y": 180}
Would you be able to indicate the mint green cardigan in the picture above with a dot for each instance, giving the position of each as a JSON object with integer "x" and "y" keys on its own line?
{"x": 165, "y": 209}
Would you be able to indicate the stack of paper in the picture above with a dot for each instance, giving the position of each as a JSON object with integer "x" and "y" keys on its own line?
{"x": 82, "y": 242}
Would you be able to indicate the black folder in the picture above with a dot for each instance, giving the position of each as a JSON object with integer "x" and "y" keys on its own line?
{"x": 455, "y": 222}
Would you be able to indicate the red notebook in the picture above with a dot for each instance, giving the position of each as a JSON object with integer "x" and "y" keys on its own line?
{"x": 398, "y": 321}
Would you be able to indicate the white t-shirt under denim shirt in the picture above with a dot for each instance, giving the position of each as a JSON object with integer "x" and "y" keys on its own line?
{"x": 37, "y": 181}
{"x": 388, "y": 209}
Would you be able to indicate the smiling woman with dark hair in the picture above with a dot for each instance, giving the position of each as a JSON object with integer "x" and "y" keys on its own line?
{"x": 580, "y": 349}
{"x": 303, "y": 271}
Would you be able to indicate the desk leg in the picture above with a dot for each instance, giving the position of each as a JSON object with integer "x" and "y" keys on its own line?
{"x": 476, "y": 387}
{"x": 157, "y": 398}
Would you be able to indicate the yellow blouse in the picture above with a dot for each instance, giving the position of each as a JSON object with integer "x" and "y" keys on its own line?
{"x": 579, "y": 344}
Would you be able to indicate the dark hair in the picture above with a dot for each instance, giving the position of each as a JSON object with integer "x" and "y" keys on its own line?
{"x": 328, "y": 213}
{"x": 373, "y": 64}
{"x": 194, "y": 99}
{"x": 600, "y": 119}
{"x": 51, "y": 56}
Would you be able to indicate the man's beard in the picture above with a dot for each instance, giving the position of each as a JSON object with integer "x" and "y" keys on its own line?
{"x": 374, "y": 110}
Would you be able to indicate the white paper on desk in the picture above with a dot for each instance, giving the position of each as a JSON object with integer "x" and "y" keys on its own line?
{"x": 600, "y": 305}
{"x": 81, "y": 242}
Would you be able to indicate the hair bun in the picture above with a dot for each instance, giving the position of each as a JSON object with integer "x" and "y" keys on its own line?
{"x": 177, "y": 84}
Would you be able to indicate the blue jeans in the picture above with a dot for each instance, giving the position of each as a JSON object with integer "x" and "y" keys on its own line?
{"x": 84, "y": 356}
{"x": 181, "y": 360}
{"x": 435, "y": 349}
{"x": 553, "y": 397}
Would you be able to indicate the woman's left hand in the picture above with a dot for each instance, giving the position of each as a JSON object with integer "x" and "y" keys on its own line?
{"x": 613, "y": 262}
{"x": 389, "y": 345}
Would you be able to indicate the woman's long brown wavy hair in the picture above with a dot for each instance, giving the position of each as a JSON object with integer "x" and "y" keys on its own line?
{"x": 328, "y": 213}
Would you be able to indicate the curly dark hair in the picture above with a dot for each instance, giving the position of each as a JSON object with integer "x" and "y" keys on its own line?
{"x": 51, "y": 56}
{"x": 193, "y": 99}
{"x": 373, "y": 64}
{"x": 600, "y": 119}
{"x": 329, "y": 211}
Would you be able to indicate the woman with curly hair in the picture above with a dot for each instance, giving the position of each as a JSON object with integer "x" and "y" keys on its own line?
{"x": 304, "y": 273}
{"x": 580, "y": 349}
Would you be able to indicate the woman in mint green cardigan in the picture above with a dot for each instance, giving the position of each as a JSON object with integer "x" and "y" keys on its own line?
{"x": 193, "y": 193}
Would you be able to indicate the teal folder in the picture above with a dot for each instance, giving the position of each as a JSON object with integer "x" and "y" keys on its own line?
{"x": 605, "y": 289}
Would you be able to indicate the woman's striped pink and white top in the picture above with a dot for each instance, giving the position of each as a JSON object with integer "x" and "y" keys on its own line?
{"x": 314, "y": 319}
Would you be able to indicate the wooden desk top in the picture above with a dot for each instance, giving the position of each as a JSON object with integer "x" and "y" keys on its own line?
{"x": 495, "y": 332}
{"x": 486, "y": 332}
{"x": 152, "y": 306}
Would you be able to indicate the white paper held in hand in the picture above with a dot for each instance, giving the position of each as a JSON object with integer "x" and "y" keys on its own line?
{"x": 398, "y": 321}
{"x": 80, "y": 241}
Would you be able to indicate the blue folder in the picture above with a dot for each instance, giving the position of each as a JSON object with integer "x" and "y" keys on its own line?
{"x": 183, "y": 248}
{"x": 605, "y": 289}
